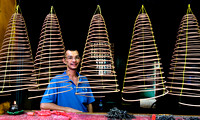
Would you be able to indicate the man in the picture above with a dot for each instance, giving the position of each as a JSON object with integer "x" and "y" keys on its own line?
{"x": 68, "y": 101}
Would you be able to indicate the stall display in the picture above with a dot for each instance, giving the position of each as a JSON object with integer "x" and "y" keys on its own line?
{"x": 97, "y": 62}
{"x": 50, "y": 53}
{"x": 16, "y": 61}
{"x": 184, "y": 71}
{"x": 60, "y": 115}
{"x": 144, "y": 79}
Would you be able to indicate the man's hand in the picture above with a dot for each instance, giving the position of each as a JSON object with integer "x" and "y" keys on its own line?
{"x": 90, "y": 108}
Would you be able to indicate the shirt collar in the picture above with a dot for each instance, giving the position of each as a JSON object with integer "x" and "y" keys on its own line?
{"x": 80, "y": 79}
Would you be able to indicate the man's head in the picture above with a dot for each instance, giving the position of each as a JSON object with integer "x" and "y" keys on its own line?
{"x": 71, "y": 59}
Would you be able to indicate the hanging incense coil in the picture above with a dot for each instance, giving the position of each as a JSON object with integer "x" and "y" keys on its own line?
{"x": 16, "y": 62}
{"x": 144, "y": 75}
{"x": 97, "y": 62}
{"x": 50, "y": 52}
{"x": 184, "y": 72}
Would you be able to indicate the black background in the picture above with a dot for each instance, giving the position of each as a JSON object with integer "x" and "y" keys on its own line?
{"x": 75, "y": 16}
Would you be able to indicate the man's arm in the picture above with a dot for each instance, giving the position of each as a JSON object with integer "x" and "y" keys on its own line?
{"x": 52, "y": 106}
{"x": 90, "y": 108}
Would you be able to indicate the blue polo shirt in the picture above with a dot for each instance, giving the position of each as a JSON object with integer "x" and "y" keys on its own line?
{"x": 65, "y": 97}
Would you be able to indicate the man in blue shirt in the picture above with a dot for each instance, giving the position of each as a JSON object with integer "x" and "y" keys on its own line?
{"x": 60, "y": 93}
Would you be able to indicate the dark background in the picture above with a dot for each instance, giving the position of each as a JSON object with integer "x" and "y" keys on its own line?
{"x": 75, "y": 16}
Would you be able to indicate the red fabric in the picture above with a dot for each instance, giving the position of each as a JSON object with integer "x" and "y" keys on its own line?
{"x": 52, "y": 115}
{"x": 30, "y": 113}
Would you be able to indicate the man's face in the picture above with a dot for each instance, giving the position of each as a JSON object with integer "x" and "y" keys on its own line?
{"x": 72, "y": 59}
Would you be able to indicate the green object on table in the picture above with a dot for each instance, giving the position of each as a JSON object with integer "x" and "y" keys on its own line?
{"x": 15, "y": 113}
{"x": 147, "y": 93}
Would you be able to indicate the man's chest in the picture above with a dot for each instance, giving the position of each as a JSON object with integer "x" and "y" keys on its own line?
{"x": 71, "y": 87}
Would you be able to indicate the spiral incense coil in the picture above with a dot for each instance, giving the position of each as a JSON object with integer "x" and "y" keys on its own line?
{"x": 184, "y": 72}
{"x": 144, "y": 75}
{"x": 97, "y": 62}
{"x": 16, "y": 62}
{"x": 50, "y": 52}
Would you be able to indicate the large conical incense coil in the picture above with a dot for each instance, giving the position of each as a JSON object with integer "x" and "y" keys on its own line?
{"x": 97, "y": 62}
{"x": 50, "y": 52}
{"x": 144, "y": 75}
{"x": 185, "y": 67}
{"x": 16, "y": 62}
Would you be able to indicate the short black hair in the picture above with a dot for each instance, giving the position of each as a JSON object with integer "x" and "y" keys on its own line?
{"x": 70, "y": 50}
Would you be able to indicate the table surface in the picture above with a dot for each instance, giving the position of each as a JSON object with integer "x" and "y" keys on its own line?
{"x": 80, "y": 116}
